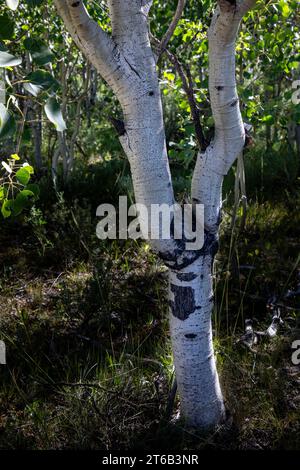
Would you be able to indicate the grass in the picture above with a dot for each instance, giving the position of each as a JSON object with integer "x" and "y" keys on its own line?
{"x": 88, "y": 349}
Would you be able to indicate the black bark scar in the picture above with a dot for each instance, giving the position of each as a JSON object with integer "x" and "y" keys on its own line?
{"x": 184, "y": 302}
{"x": 118, "y": 125}
{"x": 180, "y": 258}
{"x": 191, "y": 335}
{"x": 186, "y": 276}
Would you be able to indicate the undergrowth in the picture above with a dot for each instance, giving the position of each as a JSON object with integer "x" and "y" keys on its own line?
{"x": 89, "y": 363}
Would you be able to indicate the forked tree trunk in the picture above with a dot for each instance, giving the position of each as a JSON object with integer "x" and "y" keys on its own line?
{"x": 125, "y": 60}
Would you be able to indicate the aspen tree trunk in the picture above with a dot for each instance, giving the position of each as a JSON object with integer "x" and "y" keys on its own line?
{"x": 125, "y": 60}
{"x": 35, "y": 115}
{"x": 2, "y": 87}
{"x": 37, "y": 134}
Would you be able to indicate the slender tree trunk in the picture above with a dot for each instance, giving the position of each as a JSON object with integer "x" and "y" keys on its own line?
{"x": 4, "y": 151}
{"x": 2, "y": 87}
{"x": 92, "y": 95}
{"x": 37, "y": 135}
{"x": 35, "y": 115}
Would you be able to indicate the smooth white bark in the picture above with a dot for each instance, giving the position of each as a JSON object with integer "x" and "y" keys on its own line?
{"x": 191, "y": 303}
{"x": 229, "y": 138}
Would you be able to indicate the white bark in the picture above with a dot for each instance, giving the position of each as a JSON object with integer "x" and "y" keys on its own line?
{"x": 126, "y": 62}
{"x": 201, "y": 397}
{"x": 229, "y": 138}
{"x": 2, "y": 87}
{"x": 191, "y": 302}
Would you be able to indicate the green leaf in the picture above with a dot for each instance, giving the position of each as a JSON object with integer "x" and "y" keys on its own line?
{"x": 268, "y": 119}
{"x": 39, "y": 51}
{"x": 54, "y": 114}
{"x": 12, "y": 4}
{"x": 18, "y": 205}
{"x": 8, "y": 60}
{"x": 2, "y": 195}
{"x": 21, "y": 201}
{"x": 42, "y": 79}
{"x": 29, "y": 168}
{"x": 7, "y": 122}
{"x": 32, "y": 89}
{"x": 169, "y": 76}
{"x": 23, "y": 175}
{"x": 6, "y": 208}
{"x": 276, "y": 50}
{"x": 25, "y": 193}
{"x": 285, "y": 9}
{"x": 6, "y": 27}
{"x": 34, "y": 188}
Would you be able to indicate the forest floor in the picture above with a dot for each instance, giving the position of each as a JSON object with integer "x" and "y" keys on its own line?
{"x": 85, "y": 323}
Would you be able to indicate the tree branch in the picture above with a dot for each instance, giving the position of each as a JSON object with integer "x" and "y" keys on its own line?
{"x": 166, "y": 38}
{"x": 230, "y": 133}
{"x": 229, "y": 139}
{"x": 97, "y": 45}
{"x": 99, "y": 48}
{"x": 187, "y": 84}
{"x": 63, "y": 12}
{"x": 238, "y": 6}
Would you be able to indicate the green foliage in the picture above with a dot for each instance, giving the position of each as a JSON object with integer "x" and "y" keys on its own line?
{"x": 6, "y": 27}
{"x": 42, "y": 79}
{"x": 39, "y": 51}
{"x": 23, "y": 48}
{"x": 16, "y": 192}
{"x": 55, "y": 78}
